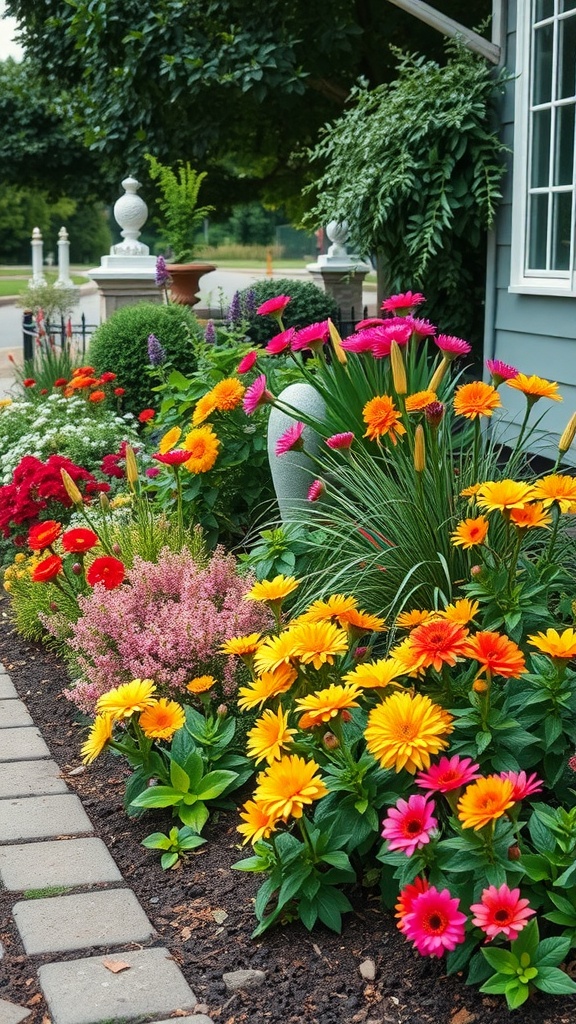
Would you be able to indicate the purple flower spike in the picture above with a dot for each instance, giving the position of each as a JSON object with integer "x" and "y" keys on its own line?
{"x": 210, "y": 333}
{"x": 163, "y": 278}
{"x": 250, "y": 303}
{"x": 156, "y": 354}
{"x": 235, "y": 310}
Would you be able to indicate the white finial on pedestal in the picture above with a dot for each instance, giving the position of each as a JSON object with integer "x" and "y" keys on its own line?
{"x": 338, "y": 232}
{"x": 130, "y": 212}
{"x": 64, "y": 279}
{"x": 37, "y": 246}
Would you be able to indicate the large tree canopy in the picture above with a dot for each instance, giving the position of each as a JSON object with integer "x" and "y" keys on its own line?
{"x": 239, "y": 85}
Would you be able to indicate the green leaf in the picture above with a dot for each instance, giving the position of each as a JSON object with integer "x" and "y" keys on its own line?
{"x": 254, "y": 864}
{"x": 482, "y": 740}
{"x": 195, "y": 816}
{"x": 191, "y": 843}
{"x": 567, "y": 877}
{"x": 516, "y": 994}
{"x": 168, "y": 859}
{"x": 157, "y": 796}
{"x": 292, "y": 884}
{"x": 501, "y": 960}
{"x": 308, "y": 913}
{"x": 552, "y": 951}
{"x": 156, "y": 841}
{"x": 496, "y": 985}
{"x": 178, "y": 777}
{"x": 263, "y": 897}
{"x": 554, "y": 981}
{"x": 213, "y": 784}
{"x": 527, "y": 941}
{"x": 337, "y": 859}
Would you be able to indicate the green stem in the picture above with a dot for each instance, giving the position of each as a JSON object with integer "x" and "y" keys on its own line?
{"x": 517, "y": 449}
{"x": 553, "y": 535}
{"x": 179, "y": 507}
{"x": 514, "y": 562}
{"x": 477, "y": 440}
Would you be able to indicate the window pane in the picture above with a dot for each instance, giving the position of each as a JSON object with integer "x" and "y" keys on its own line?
{"x": 566, "y": 57}
{"x": 561, "y": 221}
{"x": 540, "y": 148}
{"x": 543, "y": 43}
{"x": 538, "y": 231}
{"x": 564, "y": 145}
{"x": 567, "y": 5}
{"x": 543, "y": 9}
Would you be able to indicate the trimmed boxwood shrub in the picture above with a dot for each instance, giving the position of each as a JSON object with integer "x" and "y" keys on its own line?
{"x": 309, "y": 305}
{"x": 121, "y": 344}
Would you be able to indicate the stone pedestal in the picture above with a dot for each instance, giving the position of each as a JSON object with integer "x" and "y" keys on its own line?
{"x": 341, "y": 274}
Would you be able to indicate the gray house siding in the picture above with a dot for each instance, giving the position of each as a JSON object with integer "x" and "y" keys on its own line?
{"x": 537, "y": 334}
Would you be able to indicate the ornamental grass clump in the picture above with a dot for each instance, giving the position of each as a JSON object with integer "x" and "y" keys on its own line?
{"x": 166, "y": 622}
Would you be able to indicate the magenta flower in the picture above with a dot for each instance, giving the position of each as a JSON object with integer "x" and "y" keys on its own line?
{"x": 274, "y": 307}
{"x": 500, "y": 371}
{"x": 361, "y": 342}
{"x": 400, "y": 333}
{"x": 434, "y": 413}
{"x": 434, "y": 922}
{"x": 256, "y": 395}
{"x": 450, "y": 773}
{"x": 452, "y": 347}
{"x": 523, "y": 786}
{"x": 372, "y": 321}
{"x": 421, "y": 328}
{"x": 340, "y": 442}
{"x": 291, "y": 440}
{"x": 501, "y": 910}
{"x": 152, "y": 472}
{"x": 313, "y": 334}
{"x": 403, "y": 303}
{"x": 177, "y": 457}
{"x": 246, "y": 364}
{"x": 280, "y": 342}
{"x": 316, "y": 490}
{"x": 408, "y": 826}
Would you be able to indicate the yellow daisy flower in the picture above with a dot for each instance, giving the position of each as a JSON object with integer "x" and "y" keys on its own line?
{"x": 500, "y": 495}
{"x": 318, "y": 643}
{"x": 555, "y": 644}
{"x": 98, "y": 738}
{"x": 240, "y": 645}
{"x": 415, "y": 617}
{"x": 534, "y": 387}
{"x": 405, "y": 731}
{"x": 287, "y": 786}
{"x": 273, "y": 590}
{"x": 269, "y": 736}
{"x": 169, "y": 439}
{"x": 268, "y": 685}
{"x": 485, "y": 800}
{"x": 275, "y": 651}
{"x": 558, "y": 488}
{"x": 462, "y": 611}
{"x": 203, "y": 446}
{"x": 332, "y": 608}
{"x": 161, "y": 720}
{"x": 204, "y": 408}
{"x": 128, "y": 698}
{"x": 320, "y": 707}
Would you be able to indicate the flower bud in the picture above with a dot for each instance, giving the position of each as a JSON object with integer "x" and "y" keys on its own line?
{"x": 419, "y": 449}
{"x": 117, "y": 550}
{"x": 434, "y": 413}
{"x": 330, "y": 741}
{"x": 337, "y": 344}
{"x": 131, "y": 465}
{"x": 398, "y": 369}
{"x": 438, "y": 375}
{"x": 77, "y": 569}
{"x": 222, "y": 710}
{"x": 568, "y": 435}
{"x": 346, "y": 716}
{"x": 71, "y": 488}
{"x": 475, "y": 570}
{"x": 53, "y": 606}
{"x": 480, "y": 686}
{"x": 104, "y": 502}
{"x": 514, "y": 852}
{"x": 572, "y": 763}
{"x": 361, "y": 653}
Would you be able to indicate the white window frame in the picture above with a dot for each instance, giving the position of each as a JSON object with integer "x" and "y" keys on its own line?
{"x": 522, "y": 280}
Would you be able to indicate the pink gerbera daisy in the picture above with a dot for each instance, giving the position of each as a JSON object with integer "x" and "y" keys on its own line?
{"x": 408, "y": 826}
{"x": 280, "y": 342}
{"x": 386, "y": 335}
{"x": 246, "y": 364}
{"x": 256, "y": 395}
{"x": 291, "y": 439}
{"x": 403, "y": 303}
{"x": 501, "y": 910}
{"x": 371, "y": 321}
{"x": 450, "y": 773}
{"x": 452, "y": 347}
{"x": 523, "y": 785}
{"x": 421, "y": 328}
{"x": 340, "y": 441}
{"x": 360, "y": 342}
{"x": 434, "y": 923}
{"x": 314, "y": 334}
{"x": 406, "y": 899}
{"x": 500, "y": 371}
{"x": 316, "y": 490}
{"x": 274, "y": 307}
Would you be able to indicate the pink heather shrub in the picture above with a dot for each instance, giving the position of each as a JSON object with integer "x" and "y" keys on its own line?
{"x": 166, "y": 623}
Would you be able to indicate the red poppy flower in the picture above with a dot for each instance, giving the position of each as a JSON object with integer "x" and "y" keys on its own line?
{"x": 29, "y": 382}
{"x": 106, "y": 570}
{"x": 146, "y": 414}
{"x": 60, "y": 382}
{"x": 97, "y": 396}
{"x": 47, "y": 569}
{"x": 119, "y": 392}
{"x": 43, "y": 391}
{"x": 106, "y": 377}
{"x": 44, "y": 534}
{"x": 177, "y": 457}
{"x": 79, "y": 539}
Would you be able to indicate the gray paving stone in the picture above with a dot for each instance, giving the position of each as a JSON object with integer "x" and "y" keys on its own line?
{"x": 86, "y": 919}
{"x": 196, "y": 1018}
{"x": 85, "y": 992}
{"x": 13, "y": 714}
{"x": 10, "y": 1013}
{"x": 30, "y": 778}
{"x": 42, "y": 817}
{"x": 22, "y": 745}
{"x": 69, "y": 862}
{"x": 7, "y": 688}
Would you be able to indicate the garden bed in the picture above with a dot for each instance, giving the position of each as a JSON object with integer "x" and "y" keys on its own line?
{"x": 311, "y": 978}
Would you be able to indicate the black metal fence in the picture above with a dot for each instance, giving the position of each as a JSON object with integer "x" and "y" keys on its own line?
{"x": 65, "y": 334}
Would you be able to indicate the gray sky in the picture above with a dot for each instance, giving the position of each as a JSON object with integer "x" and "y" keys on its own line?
{"x": 8, "y": 48}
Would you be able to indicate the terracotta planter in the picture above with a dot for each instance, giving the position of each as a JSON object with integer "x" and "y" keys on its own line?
{"x": 185, "y": 281}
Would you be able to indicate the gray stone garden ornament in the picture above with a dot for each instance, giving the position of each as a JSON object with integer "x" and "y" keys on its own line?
{"x": 293, "y": 472}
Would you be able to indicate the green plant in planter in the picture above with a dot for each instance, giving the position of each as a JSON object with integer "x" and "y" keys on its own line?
{"x": 179, "y": 205}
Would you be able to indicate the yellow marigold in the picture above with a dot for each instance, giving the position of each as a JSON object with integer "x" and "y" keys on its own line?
{"x": 555, "y": 644}
{"x": 287, "y": 786}
{"x": 534, "y": 387}
{"x": 272, "y": 590}
{"x": 476, "y": 399}
{"x": 203, "y": 409}
{"x": 500, "y": 495}
{"x": 227, "y": 394}
{"x": 530, "y": 517}
{"x": 275, "y": 651}
{"x": 98, "y": 738}
{"x": 325, "y": 704}
{"x": 161, "y": 720}
{"x": 269, "y": 736}
{"x": 201, "y": 684}
{"x": 268, "y": 685}
{"x": 318, "y": 643}
{"x": 415, "y": 617}
{"x": 558, "y": 488}
{"x": 7, "y": 584}
{"x": 373, "y": 674}
{"x": 359, "y": 622}
{"x": 382, "y": 418}
{"x": 470, "y": 492}
{"x": 257, "y": 824}
{"x": 461, "y": 611}
{"x": 470, "y": 532}
{"x": 20, "y": 557}
{"x": 121, "y": 500}
{"x": 240, "y": 645}
{"x": 334, "y": 607}
{"x": 5, "y": 402}
{"x": 485, "y": 800}
{"x": 203, "y": 446}
{"x": 170, "y": 438}
{"x": 405, "y": 731}
{"x": 404, "y": 654}
{"x": 419, "y": 401}
{"x": 124, "y": 700}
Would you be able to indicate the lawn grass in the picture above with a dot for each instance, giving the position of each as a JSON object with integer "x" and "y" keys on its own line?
{"x": 18, "y": 285}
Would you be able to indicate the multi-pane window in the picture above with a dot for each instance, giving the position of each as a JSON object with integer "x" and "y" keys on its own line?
{"x": 547, "y": 151}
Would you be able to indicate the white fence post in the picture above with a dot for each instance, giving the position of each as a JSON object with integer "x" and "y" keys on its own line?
{"x": 37, "y": 265}
{"x": 64, "y": 279}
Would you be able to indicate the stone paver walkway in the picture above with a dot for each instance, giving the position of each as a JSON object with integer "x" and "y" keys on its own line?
{"x": 47, "y": 849}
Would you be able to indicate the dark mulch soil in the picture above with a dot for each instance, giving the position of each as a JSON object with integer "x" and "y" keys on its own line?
{"x": 310, "y": 978}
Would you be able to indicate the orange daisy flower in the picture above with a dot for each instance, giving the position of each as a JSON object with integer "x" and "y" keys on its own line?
{"x": 203, "y": 446}
{"x": 496, "y": 654}
{"x": 476, "y": 399}
{"x": 161, "y": 720}
{"x": 382, "y": 418}
{"x": 470, "y": 492}
{"x": 530, "y": 517}
{"x": 227, "y": 394}
{"x": 501, "y": 495}
{"x": 470, "y": 532}
{"x": 258, "y": 824}
{"x": 201, "y": 684}
{"x": 461, "y": 611}
{"x": 534, "y": 387}
{"x": 320, "y": 707}
{"x": 438, "y": 643}
{"x": 359, "y": 622}
{"x": 555, "y": 644}
{"x": 419, "y": 401}
{"x": 288, "y": 785}
{"x": 334, "y": 607}
{"x": 415, "y": 617}
{"x": 484, "y": 801}
{"x": 556, "y": 488}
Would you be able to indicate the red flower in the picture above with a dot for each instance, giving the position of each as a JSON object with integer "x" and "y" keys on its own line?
{"x": 106, "y": 570}
{"x": 146, "y": 414}
{"x": 29, "y": 382}
{"x": 44, "y": 534}
{"x": 119, "y": 392}
{"x": 43, "y": 391}
{"x": 247, "y": 362}
{"x": 274, "y": 307}
{"x": 177, "y": 457}
{"x": 97, "y": 396}
{"x": 106, "y": 377}
{"x": 47, "y": 569}
{"x": 79, "y": 539}
{"x": 60, "y": 382}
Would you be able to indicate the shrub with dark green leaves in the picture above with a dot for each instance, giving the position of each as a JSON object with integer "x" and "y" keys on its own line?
{"x": 121, "y": 344}
{"x": 308, "y": 305}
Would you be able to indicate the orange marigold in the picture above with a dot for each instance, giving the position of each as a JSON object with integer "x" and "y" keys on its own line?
{"x": 203, "y": 446}
{"x": 556, "y": 487}
{"x": 530, "y": 517}
{"x": 534, "y": 387}
{"x": 438, "y": 643}
{"x": 227, "y": 394}
{"x": 382, "y": 418}
{"x": 419, "y": 401}
{"x": 484, "y": 801}
{"x": 496, "y": 654}
{"x": 470, "y": 532}
{"x": 476, "y": 399}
